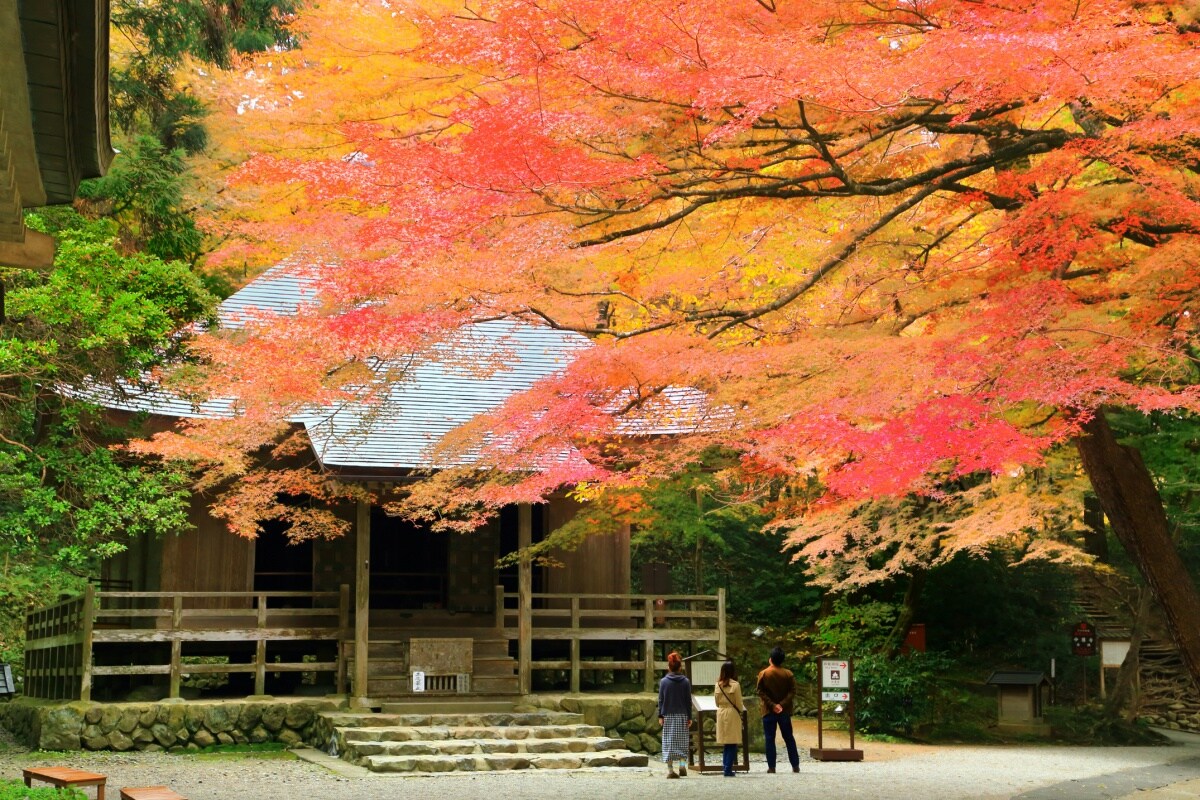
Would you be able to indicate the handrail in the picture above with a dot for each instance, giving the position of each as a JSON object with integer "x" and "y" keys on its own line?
{"x": 642, "y": 621}
{"x": 70, "y": 633}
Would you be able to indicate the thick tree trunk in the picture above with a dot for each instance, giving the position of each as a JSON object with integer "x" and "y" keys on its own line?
{"x": 1134, "y": 509}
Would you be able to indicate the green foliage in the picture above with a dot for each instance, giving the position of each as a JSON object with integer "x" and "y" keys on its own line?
{"x": 144, "y": 192}
{"x": 16, "y": 790}
{"x": 207, "y": 30}
{"x": 992, "y": 614}
{"x": 98, "y": 314}
{"x": 710, "y": 537}
{"x": 67, "y": 498}
{"x": 855, "y": 628}
{"x": 897, "y": 696}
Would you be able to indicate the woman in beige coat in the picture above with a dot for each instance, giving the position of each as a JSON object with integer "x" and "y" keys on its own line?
{"x": 729, "y": 716}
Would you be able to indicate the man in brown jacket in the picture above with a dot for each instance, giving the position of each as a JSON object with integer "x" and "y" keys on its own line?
{"x": 776, "y": 688}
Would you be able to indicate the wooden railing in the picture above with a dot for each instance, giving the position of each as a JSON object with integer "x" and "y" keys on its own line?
{"x": 56, "y": 640}
{"x": 61, "y": 641}
{"x": 641, "y": 618}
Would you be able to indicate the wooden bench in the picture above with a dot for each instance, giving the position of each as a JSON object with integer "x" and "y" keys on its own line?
{"x": 62, "y": 777}
{"x": 149, "y": 793}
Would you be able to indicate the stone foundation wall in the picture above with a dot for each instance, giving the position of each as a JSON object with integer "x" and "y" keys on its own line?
{"x": 633, "y": 718}
{"x": 165, "y": 725}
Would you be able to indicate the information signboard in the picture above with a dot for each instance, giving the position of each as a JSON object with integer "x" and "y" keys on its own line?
{"x": 835, "y": 674}
{"x": 1083, "y": 639}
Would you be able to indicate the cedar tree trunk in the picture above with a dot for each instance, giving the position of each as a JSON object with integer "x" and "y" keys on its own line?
{"x": 1134, "y": 509}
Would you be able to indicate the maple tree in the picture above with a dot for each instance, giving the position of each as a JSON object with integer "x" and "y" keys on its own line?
{"x": 894, "y": 243}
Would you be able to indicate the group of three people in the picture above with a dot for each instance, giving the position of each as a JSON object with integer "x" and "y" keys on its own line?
{"x": 775, "y": 687}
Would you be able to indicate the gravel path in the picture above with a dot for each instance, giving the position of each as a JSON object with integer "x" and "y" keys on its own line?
{"x": 893, "y": 771}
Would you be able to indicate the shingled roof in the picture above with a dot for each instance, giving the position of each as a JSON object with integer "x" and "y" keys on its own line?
{"x": 472, "y": 372}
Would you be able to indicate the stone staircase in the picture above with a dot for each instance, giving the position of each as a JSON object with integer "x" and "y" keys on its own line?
{"x": 1166, "y": 693}
{"x": 472, "y": 741}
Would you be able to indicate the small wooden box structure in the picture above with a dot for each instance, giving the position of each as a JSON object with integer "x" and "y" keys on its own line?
{"x": 1020, "y": 697}
{"x": 444, "y": 664}
{"x": 7, "y": 687}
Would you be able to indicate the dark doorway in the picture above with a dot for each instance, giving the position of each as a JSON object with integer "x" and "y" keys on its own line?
{"x": 281, "y": 565}
{"x": 409, "y": 564}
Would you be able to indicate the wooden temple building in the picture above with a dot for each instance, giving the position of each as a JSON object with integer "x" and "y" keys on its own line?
{"x": 392, "y": 609}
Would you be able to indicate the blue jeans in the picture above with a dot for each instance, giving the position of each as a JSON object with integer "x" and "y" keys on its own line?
{"x": 784, "y": 723}
{"x": 729, "y": 758}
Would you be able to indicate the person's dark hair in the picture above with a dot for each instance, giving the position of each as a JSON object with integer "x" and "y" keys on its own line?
{"x": 728, "y": 673}
{"x": 777, "y": 656}
{"x": 674, "y": 662}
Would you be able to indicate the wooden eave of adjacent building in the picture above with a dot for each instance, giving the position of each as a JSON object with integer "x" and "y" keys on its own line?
{"x": 54, "y": 128}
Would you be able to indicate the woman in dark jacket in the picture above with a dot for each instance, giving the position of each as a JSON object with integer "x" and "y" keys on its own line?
{"x": 675, "y": 715}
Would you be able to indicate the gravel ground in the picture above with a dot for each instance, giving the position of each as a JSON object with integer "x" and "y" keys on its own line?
{"x": 890, "y": 770}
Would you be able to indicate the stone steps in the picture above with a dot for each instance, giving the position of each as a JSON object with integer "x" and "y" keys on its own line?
{"x": 475, "y": 741}
{"x": 356, "y": 752}
{"x": 436, "y": 733}
{"x": 484, "y": 763}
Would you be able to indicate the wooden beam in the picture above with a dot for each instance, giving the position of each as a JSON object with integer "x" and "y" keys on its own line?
{"x": 362, "y": 600}
{"x": 524, "y": 597}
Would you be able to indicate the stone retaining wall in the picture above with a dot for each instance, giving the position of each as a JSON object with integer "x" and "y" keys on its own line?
{"x": 166, "y": 725}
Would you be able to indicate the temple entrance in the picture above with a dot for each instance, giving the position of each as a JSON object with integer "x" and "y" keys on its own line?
{"x": 409, "y": 564}
{"x": 281, "y": 565}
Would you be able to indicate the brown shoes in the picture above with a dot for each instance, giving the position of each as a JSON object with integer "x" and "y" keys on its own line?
{"x": 682, "y": 771}
{"x": 672, "y": 774}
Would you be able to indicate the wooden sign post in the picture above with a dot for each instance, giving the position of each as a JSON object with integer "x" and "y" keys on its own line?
{"x": 837, "y": 686}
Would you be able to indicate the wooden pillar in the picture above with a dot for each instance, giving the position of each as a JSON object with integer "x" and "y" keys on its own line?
{"x": 721, "y": 622}
{"x": 648, "y": 673}
{"x": 176, "y": 645}
{"x": 575, "y": 665}
{"x": 260, "y": 648}
{"x": 524, "y": 597}
{"x": 343, "y": 634}
{"x": 362, "y": 600}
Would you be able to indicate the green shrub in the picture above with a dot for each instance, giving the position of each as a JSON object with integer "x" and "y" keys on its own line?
{"x": 16, "y": 790}
{"x": 900, "y": 695}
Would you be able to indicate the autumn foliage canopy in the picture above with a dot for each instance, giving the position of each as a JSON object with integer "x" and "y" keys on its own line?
{"x": 893, "y": 242}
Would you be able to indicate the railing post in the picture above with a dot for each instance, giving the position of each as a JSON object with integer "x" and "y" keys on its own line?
{"x": 499, "y": 607}
{"x": 88, "y": 621}
{"x": 648, "y": 646}
{"x": 575, "y": 665}
{"x": 343, "y": 630}
{"x": 721, "y": 620}
{"x": 524, "y": 598}
{"x": 260, "y": 649}
{"x": 176, "y": 643}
